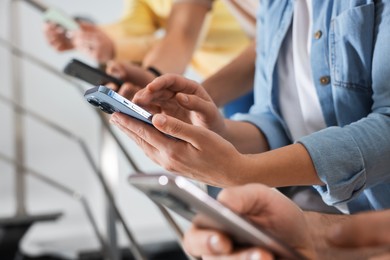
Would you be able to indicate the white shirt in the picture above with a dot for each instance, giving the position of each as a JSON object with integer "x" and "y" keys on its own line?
{"x": 298, "y": 99}
{"x": 245, "y": 13}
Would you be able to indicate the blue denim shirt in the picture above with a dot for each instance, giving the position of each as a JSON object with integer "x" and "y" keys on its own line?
{"x": 350, "y": 60}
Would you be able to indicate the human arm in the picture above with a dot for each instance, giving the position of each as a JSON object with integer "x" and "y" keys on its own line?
{"x": 306, "y": 232}
{"x": 94, "y": 42}
{"x": 183, "y": 29}
{"x": 189, "y": 116}
{"x": 362, "y": 230}
{"x": 134, "y": 76}
{"x": 56, "y": 37}
{"x": 89, "y": 40}
{"x": 134, "y": 34}
{"x": 233, "y": 80}
{"x": 362, "y": 144}
{"x": 264, "y": 207}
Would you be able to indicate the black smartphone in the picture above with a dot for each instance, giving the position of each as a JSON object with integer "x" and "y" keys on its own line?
{"x": 109, "y": 102}
{"x": 89, "y": 74}
{"x": 189, "y": 201}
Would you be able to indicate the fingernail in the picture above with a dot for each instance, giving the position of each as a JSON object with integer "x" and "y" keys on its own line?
{"x": 160, "y": 119}
{"x": 114, "y": 119}
{"x": 215, "y": 244}
{"x": 254, "y": 256}
{"x": 116, "y": 74}
{"x": 184, "y": 98}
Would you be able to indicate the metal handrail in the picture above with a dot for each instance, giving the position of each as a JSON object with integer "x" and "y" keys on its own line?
{"x": 17, "y": 52}
{"x": 74, "y": 194}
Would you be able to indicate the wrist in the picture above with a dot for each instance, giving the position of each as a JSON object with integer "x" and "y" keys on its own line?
{"x": 318, "y": 226}
{"x": 156, "y": 72}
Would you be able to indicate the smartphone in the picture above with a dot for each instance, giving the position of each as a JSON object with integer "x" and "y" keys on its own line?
{"x": 54, "y": 15}
{"x": 89, "y": 74}
{"x": 186, "y": 199}
{"x": 109, "y": 102}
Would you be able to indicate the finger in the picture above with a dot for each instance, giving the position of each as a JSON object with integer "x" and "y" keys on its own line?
{"x": 145, "y": 96}
{"x": 173, "y": 83}
{"x": 82, "y": 39}
{"x": 60, "y": 46}
{"x": 197, "y": 104}
{"x": 138, "y": 131}
{"x": 112, "y": 86}
{"x": 196, "y": 136}
{"x": 199, "y": 242}
{"x": 116, "y": 69}
{"x": 250, "y": 199}
{"x": 51, "y": 28}
{"x": 245, "y": 254}
{"x": 128, "y": 90}
{"x": 54, "y": 36}
{"x": 362, "y": 230}
{"x": 138, "y": 75}
{"x": 87, "y": 26}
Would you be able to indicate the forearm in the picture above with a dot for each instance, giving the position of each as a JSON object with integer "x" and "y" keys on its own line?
{"x": 170, "y": 55}
{"x": 175, "y": 50}
{"x": 246, "y": 137}
{"x": 233, "y": 80}
{"x": 287, "y": 166}
{"x": 133, "y": 49}
{"x": 318, "y": 225}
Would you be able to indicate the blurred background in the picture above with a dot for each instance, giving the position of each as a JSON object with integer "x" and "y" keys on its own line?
{"x": 56, "y": 156}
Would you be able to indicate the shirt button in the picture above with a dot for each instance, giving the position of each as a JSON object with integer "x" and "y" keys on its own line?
{"x": 318, "y": 35}
{"x": 325, "y": 80}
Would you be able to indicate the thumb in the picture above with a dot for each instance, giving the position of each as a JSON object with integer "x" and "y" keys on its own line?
{"x": 176, "y": 128}
{"x": 250, "y": 199}
{"x": 86, "y": 26}
{"x": 206, "y": 109}
{"x": 116, "y": 70}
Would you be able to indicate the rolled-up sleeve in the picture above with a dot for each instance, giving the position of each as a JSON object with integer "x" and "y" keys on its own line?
{"x": 269, "y": 125}
{"x": 352, "y": 158}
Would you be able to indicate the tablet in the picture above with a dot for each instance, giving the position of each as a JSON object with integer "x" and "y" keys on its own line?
{"x": 186, "y": 199}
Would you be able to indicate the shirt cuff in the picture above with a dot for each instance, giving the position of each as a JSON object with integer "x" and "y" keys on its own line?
{"x": 340, "y": 167}
{"x": 269, "y": 126}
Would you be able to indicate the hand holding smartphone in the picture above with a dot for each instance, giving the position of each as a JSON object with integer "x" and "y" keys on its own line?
{"x": 91, "y": 75}
{"x": 189, "y": 201}
{"x": 109, "y": 102}
{"x": 55, "y": 15}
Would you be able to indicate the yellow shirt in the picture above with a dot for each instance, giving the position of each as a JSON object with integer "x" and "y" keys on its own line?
{"x": 134, "y": 34}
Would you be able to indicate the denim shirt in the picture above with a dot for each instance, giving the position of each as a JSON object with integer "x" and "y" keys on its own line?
{"x": 350, "y": 59}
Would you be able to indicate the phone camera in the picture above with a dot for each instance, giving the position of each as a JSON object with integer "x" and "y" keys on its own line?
{"x": 93, "y": 102}
{"x": 107, "y": 108}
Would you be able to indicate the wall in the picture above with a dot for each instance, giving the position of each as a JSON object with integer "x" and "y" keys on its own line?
{"x": 56, "y": 156}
